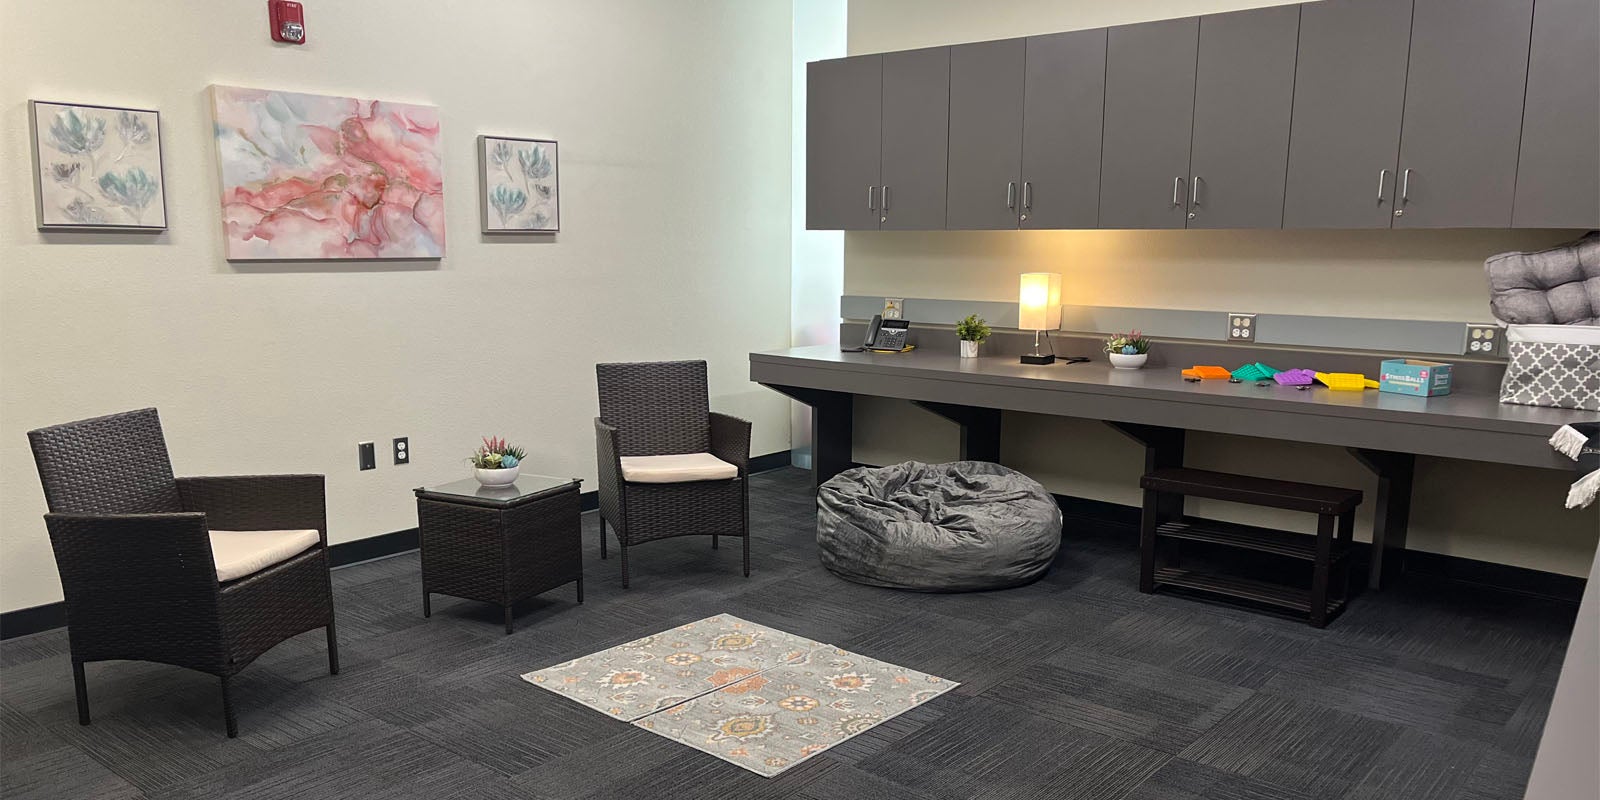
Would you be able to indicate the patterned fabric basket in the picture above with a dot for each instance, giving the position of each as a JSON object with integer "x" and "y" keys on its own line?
{"x": 1553, "y": 365}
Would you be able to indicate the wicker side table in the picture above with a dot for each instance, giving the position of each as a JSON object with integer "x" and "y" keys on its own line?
{"x": 499, "y": 544}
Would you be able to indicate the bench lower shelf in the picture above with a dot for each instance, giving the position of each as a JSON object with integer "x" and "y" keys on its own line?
{"x": 1248, "y": 537}
{"x": 1271, "y": 594}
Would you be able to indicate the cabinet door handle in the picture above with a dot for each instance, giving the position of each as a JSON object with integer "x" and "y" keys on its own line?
{"x": 886, "y": 198}
{"x": 1383, "y": 175}
{"x": 1011, "y": 195}
{"x": 1027, "y": 195}
{"x": 872, "y": 203}
{"x": 1177, "y": 191}
{"x": 1405, "y": 185}
{"x": 1194, "y": 191}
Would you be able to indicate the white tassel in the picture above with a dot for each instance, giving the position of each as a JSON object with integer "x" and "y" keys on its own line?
{"x": 1568, "y": 442}
{"x": 1583, "y": 492}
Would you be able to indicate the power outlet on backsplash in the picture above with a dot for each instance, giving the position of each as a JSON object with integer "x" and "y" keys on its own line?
{"x": 1241, "y": 327}
{"x": 893, "y": 307}
{"x": 1482, "y": 339}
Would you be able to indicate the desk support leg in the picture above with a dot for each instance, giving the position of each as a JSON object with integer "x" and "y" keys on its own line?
{"x": 1163, "y": 447}
{"x": 980, "y": 428}
{"x": 832, "y": 429}
{"x": 1391, "y": 515}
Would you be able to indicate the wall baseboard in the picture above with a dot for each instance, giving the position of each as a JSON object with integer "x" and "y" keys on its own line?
{"x": 25, "y": 621}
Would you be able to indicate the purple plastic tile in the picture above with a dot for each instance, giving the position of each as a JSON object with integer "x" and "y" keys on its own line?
{"x": 1295, "y": 377}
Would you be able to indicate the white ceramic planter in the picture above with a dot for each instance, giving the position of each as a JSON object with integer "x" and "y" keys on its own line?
{"x": 497, "y": 477}
{"x": 1127, "y": 360}
{"x": 969, "y": 349}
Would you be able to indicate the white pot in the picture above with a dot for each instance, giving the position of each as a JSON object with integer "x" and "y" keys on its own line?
{"x": 498, "y": 477}
{"x": 969, "y": 349}
{"x": 1128, "y": 360}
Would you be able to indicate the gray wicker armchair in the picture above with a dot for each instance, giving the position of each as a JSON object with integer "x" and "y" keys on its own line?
{"x": 668, "y": 465}
{"x": 135, "y": 550}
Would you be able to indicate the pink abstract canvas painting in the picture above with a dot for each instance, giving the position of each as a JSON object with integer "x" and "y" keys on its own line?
{"x": 316, "y": 177}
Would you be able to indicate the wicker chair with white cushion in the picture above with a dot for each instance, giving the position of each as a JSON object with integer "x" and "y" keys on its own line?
{"x": 668, "y": 465}
{"x": 204, "y": 573}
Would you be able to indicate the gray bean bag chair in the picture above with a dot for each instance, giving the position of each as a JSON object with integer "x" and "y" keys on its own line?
{"x": 937, "y": 527}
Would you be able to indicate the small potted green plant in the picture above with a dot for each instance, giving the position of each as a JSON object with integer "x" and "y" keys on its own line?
{"x": 972, "y": 331}
{"x": 496, "y": 463}
{"x": 1128, "y": 350}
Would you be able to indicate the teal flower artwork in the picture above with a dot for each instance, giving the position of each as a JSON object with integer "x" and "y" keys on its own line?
{"x": 520, "y": 186}
{"x": 508, "y": 202}
{"x": 534, "y": 163}
{"x": 98, "y": 167}
{"x": 133, "y": 190}
{"x": 133, "y": 132}
{"x": 77, "y": 134}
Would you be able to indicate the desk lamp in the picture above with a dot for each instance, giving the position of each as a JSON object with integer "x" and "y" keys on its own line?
{"x": 1039, "y": 310}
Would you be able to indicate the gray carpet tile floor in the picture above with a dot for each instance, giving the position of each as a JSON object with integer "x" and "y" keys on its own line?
{"x": 1076, "y": 686}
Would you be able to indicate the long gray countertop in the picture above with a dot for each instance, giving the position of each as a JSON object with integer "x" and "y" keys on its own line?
{"x": 1460, "y": 425}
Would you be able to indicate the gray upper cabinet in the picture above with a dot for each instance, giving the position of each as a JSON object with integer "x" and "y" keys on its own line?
{"x": 843, "y": 135}
{"x": 986, "y": 81}
{"x": 1061, "y": 125}
{"x": 1243, "y": 98}
{"x": 1349, "y": 94}
{"x": 1332, "y": 114}
{"x": 1149, "y": 111}
{"x": 916, "y": 129}
{"x": 1463, "y": 113}
{"x": 1558, "y": 175}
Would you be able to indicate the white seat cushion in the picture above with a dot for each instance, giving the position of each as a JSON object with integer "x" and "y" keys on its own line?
{"x": 241, "y": 553}
{"x": 680, "y": 468}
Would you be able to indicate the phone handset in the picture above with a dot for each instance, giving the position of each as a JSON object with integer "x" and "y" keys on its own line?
{"x": 872, "y": 331}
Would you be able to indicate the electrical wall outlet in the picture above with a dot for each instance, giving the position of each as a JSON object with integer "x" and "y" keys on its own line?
{"x": 1241, "y": 327}
{"x": 893, "y": 307}
{"x": 402, "y": 450}
{"x": 368, "y": 454}
{"x": 1482, "y": 339}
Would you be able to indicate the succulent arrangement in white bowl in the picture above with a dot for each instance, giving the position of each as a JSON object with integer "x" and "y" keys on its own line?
{"x": 1127, "y": 350}
{"x": 496, "y": 463}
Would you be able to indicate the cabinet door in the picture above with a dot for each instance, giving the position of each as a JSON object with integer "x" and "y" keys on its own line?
{"x": 843, "y": 135}
{"x": 916, "y": 136}
{"x": 1463, "y": 117}
{"x": 985, "y": 135}
{"x": 1349, "y": 94}
{"x": 1149, "y": 114}
{"x": 1243, "y": 98}
{"x": 1558, "y": 176}
{"x": 1062, "y": 117}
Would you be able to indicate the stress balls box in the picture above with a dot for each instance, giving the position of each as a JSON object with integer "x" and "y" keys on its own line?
{"x": 1412, "y": 376}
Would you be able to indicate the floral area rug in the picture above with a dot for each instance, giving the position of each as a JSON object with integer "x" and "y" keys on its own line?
{"x": 748, "y": 694}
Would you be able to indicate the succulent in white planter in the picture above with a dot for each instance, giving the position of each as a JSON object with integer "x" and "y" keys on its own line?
{"x": 496, "y": 463}
{"x": 1127, "y": 350}
{"x": 972, "y": 331}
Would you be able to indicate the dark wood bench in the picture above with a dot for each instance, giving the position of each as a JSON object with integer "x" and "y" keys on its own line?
{"x": 1328, "y": 552}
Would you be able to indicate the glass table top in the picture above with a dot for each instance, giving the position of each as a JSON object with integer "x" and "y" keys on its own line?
{"x": 525, "y": 486}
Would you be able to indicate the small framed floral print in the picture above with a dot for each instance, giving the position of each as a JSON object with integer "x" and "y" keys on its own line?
{"x": 97, "y": 168}
{"x": 520, "y": 185}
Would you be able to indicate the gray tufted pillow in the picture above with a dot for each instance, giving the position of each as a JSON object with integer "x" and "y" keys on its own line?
{"x": 1558, "y": 286}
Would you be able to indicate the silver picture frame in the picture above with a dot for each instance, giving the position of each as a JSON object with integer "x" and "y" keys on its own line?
{"x": 519, "y": 185}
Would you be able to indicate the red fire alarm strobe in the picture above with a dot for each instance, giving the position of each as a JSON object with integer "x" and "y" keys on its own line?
{"x": 288, "y": 21}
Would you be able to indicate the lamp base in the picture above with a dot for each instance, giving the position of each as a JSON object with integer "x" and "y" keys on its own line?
{"x": 1039, "y": 358}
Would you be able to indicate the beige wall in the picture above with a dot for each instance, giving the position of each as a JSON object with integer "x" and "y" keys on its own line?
{"x": 665, "y": 112}
{"x": 1503, "y": 514}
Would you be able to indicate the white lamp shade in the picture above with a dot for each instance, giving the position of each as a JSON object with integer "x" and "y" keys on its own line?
{"x": 1039, "y": 302}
